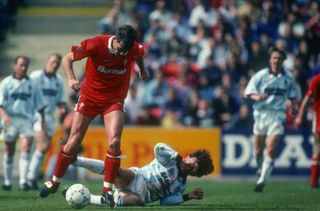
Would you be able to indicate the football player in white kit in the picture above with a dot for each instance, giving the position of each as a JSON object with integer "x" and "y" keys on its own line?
{"x": 51, "y": 85}
{"x": 162, "y": 179}
{"x": 270, "y": 88}
{"x": 20, "y": 99}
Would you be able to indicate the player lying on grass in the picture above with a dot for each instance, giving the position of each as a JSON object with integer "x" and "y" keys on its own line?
{"x": 163, "y": 179}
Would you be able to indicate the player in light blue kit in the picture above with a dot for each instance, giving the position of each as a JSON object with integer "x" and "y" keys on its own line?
{"x": 163, "y": 179}
{"x": 270, "y": 88}
{"x": 20, "y": 99}
{"x": 51, "y": 85}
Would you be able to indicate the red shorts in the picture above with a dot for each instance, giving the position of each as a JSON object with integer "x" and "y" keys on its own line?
{"x": 316, "y": 122}
{"x": 92, "y": 108}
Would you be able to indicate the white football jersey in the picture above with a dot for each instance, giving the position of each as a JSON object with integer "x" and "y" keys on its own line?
{"x": 20, "y": 98}
{"x": 162, "y": 176}
{"x": 278, "y": 89}
{"x": 52, "y": 91}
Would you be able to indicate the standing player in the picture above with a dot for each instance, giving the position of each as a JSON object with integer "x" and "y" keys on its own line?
{"x": 51, "y": 86}
{"x": 313, "y": 93}
{"x": 164, "y": 179}
{"x": 20, "y": 98}
{"x": 270, "y": 88}
{"x": 110, "y": 60}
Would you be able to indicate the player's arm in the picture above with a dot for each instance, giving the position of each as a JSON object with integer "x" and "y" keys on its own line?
{"x": 3, "y": 114}
{"x": 298, "y": 119}
{"x": 178, "y": 198}
{"x": 67, "y": 65}
{"x": 143, "y": 73}
{"x": 252, "y": 90}
{"x": 164, "y": 153}
{"x": 257, "y": 97}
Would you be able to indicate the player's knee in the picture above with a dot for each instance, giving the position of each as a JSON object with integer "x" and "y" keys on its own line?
{"x": 133, "y": 200}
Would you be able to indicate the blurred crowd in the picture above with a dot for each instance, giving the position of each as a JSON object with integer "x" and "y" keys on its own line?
{"x": 201, "y": 53}
{"x": 8, "y": 14}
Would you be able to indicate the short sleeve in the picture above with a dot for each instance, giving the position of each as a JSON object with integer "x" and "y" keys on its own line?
{"x": 252, "y": 87}
{"x": 85, "y": 48}
{"x": 164, "y": 153}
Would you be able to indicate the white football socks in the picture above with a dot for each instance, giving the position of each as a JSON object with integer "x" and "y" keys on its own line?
{"x": 35, "y": 165}
{"x": 95, "y": 200}
{"x": 7, "y": 169}
{"x": 94, "y": 165}
{"x": 24, "y": 166}
{"x": 266, "y": 170}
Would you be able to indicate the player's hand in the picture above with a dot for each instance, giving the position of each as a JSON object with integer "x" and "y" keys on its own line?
{"x": 7, "y": 121}
{"x": 196, "y": 193}
{"x": 297, "y": 122}
{"x": 259, "y": 97}
{"x": 144, "y": 75}
{"x": 75, "y": 84}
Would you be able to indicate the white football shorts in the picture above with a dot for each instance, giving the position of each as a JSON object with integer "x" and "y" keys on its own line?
{"x": 267, "y": 122}
{"x": 20, "y": 127}
{"x": 137, "y": 185}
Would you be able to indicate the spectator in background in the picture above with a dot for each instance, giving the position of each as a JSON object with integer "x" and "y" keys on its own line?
{"x": 242, "y": 120}
{"x": 20, "y": 99}
{"x": 114, "y": 18}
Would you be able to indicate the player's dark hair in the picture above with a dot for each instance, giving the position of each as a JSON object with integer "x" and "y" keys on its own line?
{"x": 127, "y": 35}
{"x": 205, "y": 163}
{"x": 280, "y": 51}
{"x": 21, "y": 57}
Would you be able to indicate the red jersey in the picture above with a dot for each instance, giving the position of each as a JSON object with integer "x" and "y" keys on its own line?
{"x": 107, "y": 76}
{"x": 314, "y": 92}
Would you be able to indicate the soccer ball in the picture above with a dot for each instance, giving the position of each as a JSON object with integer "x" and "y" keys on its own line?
{"x": 78, "y": 196}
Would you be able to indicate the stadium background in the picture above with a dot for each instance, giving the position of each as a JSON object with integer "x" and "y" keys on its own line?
{"x": 203, "y": 68}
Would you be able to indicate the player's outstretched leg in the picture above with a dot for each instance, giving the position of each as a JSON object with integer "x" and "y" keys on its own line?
{"x": 63, "y": 161}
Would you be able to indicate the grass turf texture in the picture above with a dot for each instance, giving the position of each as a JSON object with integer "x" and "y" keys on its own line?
{"x": 219, "y": 195}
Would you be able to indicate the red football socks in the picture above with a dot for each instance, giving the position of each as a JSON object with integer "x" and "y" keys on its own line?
{"x": 314, "y": 172}
{"x": 63, "y": 161}
{"x": 111, "y": 166}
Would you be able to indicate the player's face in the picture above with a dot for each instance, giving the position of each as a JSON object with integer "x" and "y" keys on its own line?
{"x": 118, "y": 48}
{"x": 20, "y": 68}
{"x": 190, "y": 165}
{"x": 276, "y": 61}
{"x": 52, "y": 65}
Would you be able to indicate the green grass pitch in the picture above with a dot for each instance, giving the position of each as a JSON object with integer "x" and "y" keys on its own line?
{"x": 219, "y": 195}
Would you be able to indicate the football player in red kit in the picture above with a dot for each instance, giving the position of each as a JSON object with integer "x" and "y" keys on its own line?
{"x": 313, "y": 93}
{"x": 110, "y": 60}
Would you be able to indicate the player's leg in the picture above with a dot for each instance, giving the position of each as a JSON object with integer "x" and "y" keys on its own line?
{"x": 8, "y": 155}
{"x": 315, "y": 162}
{"x": 42, "y": 142}
{"x": 94, "y": 165}
{"x": 124, "y": 198}
{"x": 259, "y": 131}
{"x": 268, "y": 163}
{"x": 114, "y": 122}
{"x": 24, "y": 161}
{"x": 67, "y": 153}
{"x": 259, "y": 141}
